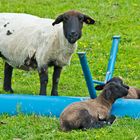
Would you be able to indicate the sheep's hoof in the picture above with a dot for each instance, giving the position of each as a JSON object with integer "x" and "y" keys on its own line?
{"x": 43, "y": 94}
{"x": 54, "y": 93}
{"x": 9, "y": 90}
{"x": 111, "y": 119}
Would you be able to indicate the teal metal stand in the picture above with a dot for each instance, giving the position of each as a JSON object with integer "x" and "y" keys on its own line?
{"x": 110, "y": 69}
{"x": 87, "y": 74}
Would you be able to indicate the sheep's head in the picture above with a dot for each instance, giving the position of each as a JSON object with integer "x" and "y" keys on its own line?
{"x": 117, "y": 80}
{"x": 113, "y": 91}
{"x": 72, "y": 24}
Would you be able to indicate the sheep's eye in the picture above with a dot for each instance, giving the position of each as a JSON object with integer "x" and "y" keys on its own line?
{"x": 81, "y": 18}
{"x": 65, "y": 18}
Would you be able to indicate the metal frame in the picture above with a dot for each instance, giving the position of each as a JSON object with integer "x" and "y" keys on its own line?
{"x": 13, "y": 104}
{"x": 110, "y": 69}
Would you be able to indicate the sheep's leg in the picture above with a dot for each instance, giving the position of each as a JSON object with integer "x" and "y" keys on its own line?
{"x": 56, "y": 76}
{"x": 108, "y": 121}
{"x": 7, "y": 78}
{"x": 43, "y": 75}
{"x": 99, "y": 124}
{"x": 86, "y": 120}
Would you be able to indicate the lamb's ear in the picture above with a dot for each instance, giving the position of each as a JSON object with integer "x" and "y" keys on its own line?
{"x": 99, "y": 87}
{"x": 58, "y": 20}
{"x": 88, "y": 20}
{"x": 126, "y": 86}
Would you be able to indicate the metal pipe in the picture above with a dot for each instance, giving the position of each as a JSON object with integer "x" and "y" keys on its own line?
{"x": 87, "y": 74}
{"x": 112, "y": 59}
{"x": 13, "y": 104}
{"x": 98, "y": 82}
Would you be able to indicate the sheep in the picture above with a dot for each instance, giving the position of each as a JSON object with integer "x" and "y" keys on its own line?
{"x": 30, "y": 42}
{"x": 133, "y": 93}
{"x": 93, "y": 113}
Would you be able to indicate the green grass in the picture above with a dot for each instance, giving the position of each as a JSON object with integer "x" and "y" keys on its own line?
{"x": 112, "y": 18}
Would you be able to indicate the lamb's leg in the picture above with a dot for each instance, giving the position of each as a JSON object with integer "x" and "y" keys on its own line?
{"x": 99, "y": 124}
{"x": 108, "y": 121}
{"x": 43, "y": 75}
{"x": 86, "y": 120}
{"x": 7, "y": 78}
{"x": 56, "y": 76}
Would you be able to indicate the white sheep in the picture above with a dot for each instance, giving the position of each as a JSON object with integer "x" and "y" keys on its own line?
{"x": 30, "y": 42}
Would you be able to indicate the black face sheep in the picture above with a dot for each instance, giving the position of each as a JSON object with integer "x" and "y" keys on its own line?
{"x": 133, "y": 93}
{"x": 29, "y": 42}
{"x": 93, "y": 113}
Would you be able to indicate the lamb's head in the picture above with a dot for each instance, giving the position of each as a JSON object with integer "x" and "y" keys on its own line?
{"x": 114, "y": 90}
{"x": 117, "y": 80}
{"x": 72, "y": 24}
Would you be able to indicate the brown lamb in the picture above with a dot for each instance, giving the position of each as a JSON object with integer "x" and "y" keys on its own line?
{"x": 93, "y": 113}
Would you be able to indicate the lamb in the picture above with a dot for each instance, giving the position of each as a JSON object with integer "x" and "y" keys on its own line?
{"x": 30, "y": 42}
{"x": 133, "y": 93}
{"x": 93, "y": 113}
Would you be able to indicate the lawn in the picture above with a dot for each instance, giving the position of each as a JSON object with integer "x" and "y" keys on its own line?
{"x": 112, "y": 18}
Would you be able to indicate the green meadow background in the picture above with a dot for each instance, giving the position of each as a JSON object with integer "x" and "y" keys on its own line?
{"x": 112, "y": 18}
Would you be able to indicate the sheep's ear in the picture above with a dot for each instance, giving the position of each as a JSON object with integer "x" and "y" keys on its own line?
{"x": 99, "y": 87}
{"x": 58, "y": 20}
{"x": 88, "y": 20}
{"x": 126, "y": 86}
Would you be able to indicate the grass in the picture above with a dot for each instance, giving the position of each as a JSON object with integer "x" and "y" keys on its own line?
{"x": 112, "y": 18}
